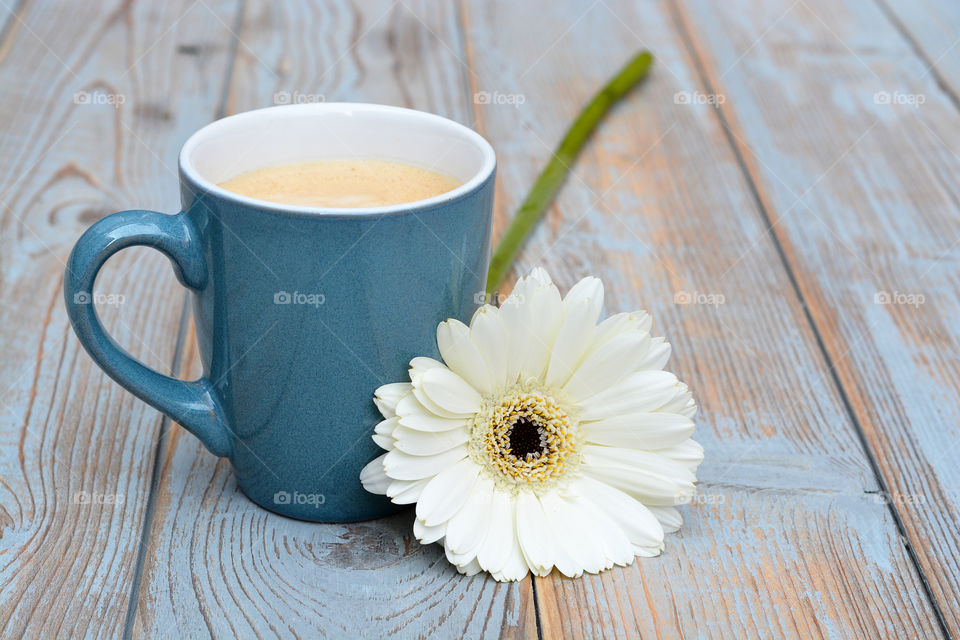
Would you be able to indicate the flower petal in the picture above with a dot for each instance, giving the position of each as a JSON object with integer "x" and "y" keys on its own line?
{"x": 608, "y": 365}
{"x": 546, "y": 314}
{"x": 386, "y": 427}
{"x": 540, "y": 275}
{"x": 520, "y": 322}
{"x": 457, "y": 559}
{"x": 515, "y": 568}
{"x": 657, "y": 462}
{"x": 383, "y": 433}
{"x": 517, "y": 326}
{"x": 428, "y": 535}
{"x": 462, "y": 355}
{"x": 589, "y": 288}
{"x": 487, "y": 333}
{"x": 423, "y": 443}
{"x": 688, "y": 453}
{"x": 383, "y": 442}
{"x": 565, "y": 564}
{"x": 406, "y": 491}
{"x": 573, "y": 338}
{"x": 634, "y": 519}
{"x": 403, "y": 466}
{"x": 640, "y": 430}
{"x": 647, "y": 552}
{"x": 418, "y": 367}
{"x": 657, "y": 356}
{"x": 638, "y": 392}
{"x": 620, "y": 323}
{"x": 572, "y": 536}
{"x": 413, "y": 415}
{"x": 429, "y": 404}
{"x": 467, "y": 530}
{"x": 681, "y": 403}
{"x": 422, "y": 364}
{"x": 447, "y": 492}
{"x": 472, "y": 568}
{"x": 373, "y": 478}
{"x": 387, "y": 396}
{"x": 647, "y": 476}
{"x": 496, "y": 548}
{"x": 449, "y": 391}
{"x": 669, "y": 517}
{"x": 533, "y": 531}
{"x": 607, "y": 534}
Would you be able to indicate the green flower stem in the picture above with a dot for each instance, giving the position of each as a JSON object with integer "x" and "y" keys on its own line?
{"x": 546, "y": 186}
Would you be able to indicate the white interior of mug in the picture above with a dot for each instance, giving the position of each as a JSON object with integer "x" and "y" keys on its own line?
{"x": 335, "y": 131}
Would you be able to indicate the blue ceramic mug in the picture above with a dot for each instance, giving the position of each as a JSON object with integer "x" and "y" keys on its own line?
{"x": 301, "y": 312}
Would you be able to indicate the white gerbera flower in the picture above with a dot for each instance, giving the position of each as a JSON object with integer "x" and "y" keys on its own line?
{"x": 546, "y": 440}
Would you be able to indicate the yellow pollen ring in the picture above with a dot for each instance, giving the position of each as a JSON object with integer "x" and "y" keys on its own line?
{"x": 544, "y": 461}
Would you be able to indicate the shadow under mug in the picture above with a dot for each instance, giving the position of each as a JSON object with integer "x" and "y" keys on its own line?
{"x": 301, "y": 312}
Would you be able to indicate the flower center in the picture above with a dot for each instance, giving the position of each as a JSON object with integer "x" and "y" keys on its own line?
{"x": 524, "y": 439}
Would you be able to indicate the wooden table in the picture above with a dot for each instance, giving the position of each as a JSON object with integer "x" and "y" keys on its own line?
{"x": 781, "y": 194}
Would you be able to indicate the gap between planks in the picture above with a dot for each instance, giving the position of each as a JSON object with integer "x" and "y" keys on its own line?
{"x": 918, "y": 51}
{"x": 500, "y": 218}
{"x": 166, "y": 423}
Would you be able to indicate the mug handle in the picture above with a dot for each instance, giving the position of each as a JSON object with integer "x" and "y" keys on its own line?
{"x": 192, "y": 404}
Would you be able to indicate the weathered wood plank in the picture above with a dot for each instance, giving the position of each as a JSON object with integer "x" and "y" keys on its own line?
{"x": 854, "y": 151}
{"x": 787, "y": 538}
{"x": 10, "y": 20}
{"x": 96, "y": 101}
{"x": 218, "y": 565}
{"x": 933, "y": 29}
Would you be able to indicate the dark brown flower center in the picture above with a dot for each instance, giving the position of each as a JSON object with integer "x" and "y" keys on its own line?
{"x": 526, "y": 439}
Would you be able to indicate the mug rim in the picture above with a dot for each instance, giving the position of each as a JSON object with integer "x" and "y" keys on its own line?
{"x": 189, "y": 172}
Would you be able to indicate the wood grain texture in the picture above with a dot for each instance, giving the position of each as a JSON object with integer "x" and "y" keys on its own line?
{"x": 932, "y": 27}
{"x": 787, "y": 538}
{"x": 96, "y": 102}
{"x": 763, "y": 236}
{"x": 853, "y": 147}
{"x": 218, "y": 565}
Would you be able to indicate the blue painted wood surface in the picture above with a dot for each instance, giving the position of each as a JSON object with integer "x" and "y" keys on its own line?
{"x": 855, "y": 160}
{"x": 756, "y": 195}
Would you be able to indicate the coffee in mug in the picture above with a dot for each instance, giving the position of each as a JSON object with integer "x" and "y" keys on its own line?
{"x": 342, "y": 184}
